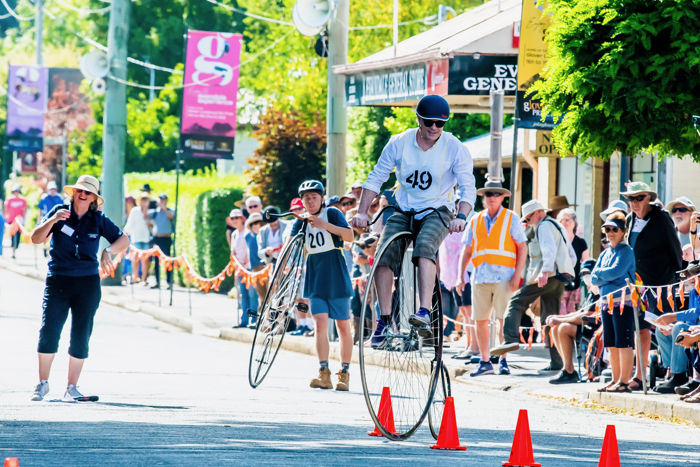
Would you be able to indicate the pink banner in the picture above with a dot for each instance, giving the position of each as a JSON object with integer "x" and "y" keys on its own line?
{"x": 208, "y": 122}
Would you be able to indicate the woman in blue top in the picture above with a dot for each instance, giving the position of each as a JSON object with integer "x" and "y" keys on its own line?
{"x": 73, "y": 280}
{"x": 327, "y": 281}
{"x": 616, "y": 265}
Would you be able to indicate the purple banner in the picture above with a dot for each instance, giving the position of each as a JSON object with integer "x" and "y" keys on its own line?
{"x": 26, "y": 104}
{"x": 208, "y": 123}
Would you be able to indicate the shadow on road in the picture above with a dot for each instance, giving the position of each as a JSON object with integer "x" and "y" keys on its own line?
{"x": 248, "y": 443}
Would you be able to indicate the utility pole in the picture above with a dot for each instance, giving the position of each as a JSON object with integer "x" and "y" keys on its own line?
{"x": 336, "y": 117}
{"x": 114, "y": 134}
{"x": 39, "y": 31}
{"x": 495, "y": 169}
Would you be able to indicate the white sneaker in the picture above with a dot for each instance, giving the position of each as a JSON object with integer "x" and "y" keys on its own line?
{"x": 41, "y": 390}
{"x": 72, "y": 393}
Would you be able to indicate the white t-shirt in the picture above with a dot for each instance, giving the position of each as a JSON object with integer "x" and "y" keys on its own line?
{"x": 136, "y": 226}
{"x": 239, "y": 247}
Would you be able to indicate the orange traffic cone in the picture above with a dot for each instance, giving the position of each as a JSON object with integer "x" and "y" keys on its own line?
{"x": 609, "y": 455}
{"x": 11, "y": 462}
{"x": 385, "y": 414}
{"x": 521, "y": 451}
{"x": 448, "y": 438}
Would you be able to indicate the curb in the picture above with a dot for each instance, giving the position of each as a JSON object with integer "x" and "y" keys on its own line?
{"x": 650, "y": 403}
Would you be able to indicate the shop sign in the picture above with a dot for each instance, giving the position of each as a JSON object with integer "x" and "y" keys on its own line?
{"x": 480, "y": 74}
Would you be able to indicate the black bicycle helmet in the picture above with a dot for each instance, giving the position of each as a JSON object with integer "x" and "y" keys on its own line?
{"x": 588, "y": 265}
{"x": 433, "y": 107}
{"x": 311, "y": 185}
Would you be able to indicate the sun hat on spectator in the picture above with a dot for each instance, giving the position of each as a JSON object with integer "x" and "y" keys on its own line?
{"x": 356, "y": 185}
{"x": 559, "y": 202}
{"x": 253, "y": 218}
{"x": 144, "y": 194}
{"x": 86, "y": 183}
{"x": 296, "y": 204}
{"x": 162, "y": 196}
{"x": 235, "y": 213}
{"x": 332, "y": 200}
{"x": 616, "y": 205}
{"x": 684, "y": 200}
{"x": 530, "y": 207}
{"x": 348, "y": 195}
{"x": 51, "y": 186}
{"x": 635, "y": 188}
{"x": 493, "y": 186}
{"x": 614, "y": 222}
{"x": 17, "y": 189}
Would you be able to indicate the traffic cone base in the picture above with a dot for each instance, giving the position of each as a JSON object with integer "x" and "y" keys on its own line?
{"x": 609, "y": 455}
{"x": 448, "y": 438}
{"x": 521, "y": 451}
{"x": 11, "y": 462}
{"x": 385, "y": 414}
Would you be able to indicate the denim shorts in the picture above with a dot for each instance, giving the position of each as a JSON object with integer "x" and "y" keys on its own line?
{"x": 336, "y": 308}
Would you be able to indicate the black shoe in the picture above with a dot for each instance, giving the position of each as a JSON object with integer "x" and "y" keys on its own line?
{"x": 565, "y": 378}
{"x": 686, "y": 388}
{"x": 157, "y": 286}
{"x": 550, "y": 367}
{"x": 668, "y": 387}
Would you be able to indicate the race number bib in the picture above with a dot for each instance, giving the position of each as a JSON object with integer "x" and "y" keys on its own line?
{"x": 318, "y": 240}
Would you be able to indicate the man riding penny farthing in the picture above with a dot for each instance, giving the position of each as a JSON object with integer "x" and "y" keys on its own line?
{"x": 403, "y": 357}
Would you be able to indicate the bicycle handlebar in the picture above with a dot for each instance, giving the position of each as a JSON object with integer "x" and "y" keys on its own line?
{"x": 409, "y": 213}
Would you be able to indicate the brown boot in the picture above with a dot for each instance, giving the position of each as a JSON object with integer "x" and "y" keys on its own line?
{"x": 343, "y": 381}
{"x": 323, "y": 381}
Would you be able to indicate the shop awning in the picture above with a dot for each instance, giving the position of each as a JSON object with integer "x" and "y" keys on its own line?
{"x": 461, "y": 59}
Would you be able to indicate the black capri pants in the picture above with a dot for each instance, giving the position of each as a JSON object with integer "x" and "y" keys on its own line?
{"x": 618, "y": 329}
{"x": 79, "y": 294}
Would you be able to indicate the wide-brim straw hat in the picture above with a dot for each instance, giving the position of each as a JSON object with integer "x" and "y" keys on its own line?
{"x": 635, "y": 188}
{"x": 530, "y": 207}
{"x": 86, "y": 183}
{"x": 493, "y": 185}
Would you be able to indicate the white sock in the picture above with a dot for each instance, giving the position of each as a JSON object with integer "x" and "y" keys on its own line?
{"x": 310, "y": 323}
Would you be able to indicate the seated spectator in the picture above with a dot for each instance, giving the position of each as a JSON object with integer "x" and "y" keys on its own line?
{"x": 669, "y": 327}
{"x": 615, "y": 266}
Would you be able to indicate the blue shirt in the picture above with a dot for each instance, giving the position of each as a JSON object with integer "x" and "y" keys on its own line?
{"x": 692, "y": 314}
{"x": 48, "y": 202}
{"x": 74, "y": 242}
{"x": 327, "y": 273}
{"x": 488, "y": 273}
{"x": 612, "y": 268}
{"x": 161, "y": 222}
{"x": 252, "y": 242}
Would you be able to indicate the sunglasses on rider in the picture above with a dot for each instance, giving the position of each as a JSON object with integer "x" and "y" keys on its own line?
{"x": 437, "y": 123}
{"x": 637, "y": 198}
{"x": 675, "y": 210}
{"x": 611, "y": 229}
{"x": 492, "y": 194}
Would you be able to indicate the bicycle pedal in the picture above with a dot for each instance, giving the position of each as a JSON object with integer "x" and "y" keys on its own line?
{"x": 425, "y": 332}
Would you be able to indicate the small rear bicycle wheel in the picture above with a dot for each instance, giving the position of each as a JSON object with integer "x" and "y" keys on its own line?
{"x": 276, "y": 310}
{"x": 407, "y": 361}
{"x": 444, "y": 389}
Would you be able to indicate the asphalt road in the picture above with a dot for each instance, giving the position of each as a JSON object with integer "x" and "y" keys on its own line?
{"x": 167, "y": 397}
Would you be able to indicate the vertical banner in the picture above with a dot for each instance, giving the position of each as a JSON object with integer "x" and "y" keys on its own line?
{"x": 26, "y": 105}
{"x": 208, "y": 123}
{"x": 531, "y": 59}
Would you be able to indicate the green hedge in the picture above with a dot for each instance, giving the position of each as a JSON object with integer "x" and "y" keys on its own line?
{"x": 189, "y": 226}
{"x": 213, "y": 251}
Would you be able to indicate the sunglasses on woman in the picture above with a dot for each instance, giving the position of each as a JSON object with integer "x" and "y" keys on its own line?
{"x": 675, "y": 210}
{"x": 437, "y": 123}
{"x": 611, "y": 229}
{"x": 492, "y": 194}
{"x": 637, "y": 198}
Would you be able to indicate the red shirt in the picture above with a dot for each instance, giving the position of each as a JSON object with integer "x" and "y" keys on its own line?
{"x": 14, "y": 207}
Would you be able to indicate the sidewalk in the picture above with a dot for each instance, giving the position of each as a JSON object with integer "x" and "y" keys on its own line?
{"x": 214, "y": 315}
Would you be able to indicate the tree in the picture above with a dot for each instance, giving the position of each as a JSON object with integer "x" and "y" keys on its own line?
{"x": 625, "y": 75}
{"x": 292, "y": 150}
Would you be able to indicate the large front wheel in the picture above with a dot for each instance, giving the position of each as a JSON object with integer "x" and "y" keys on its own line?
{"x": 405, "y": 359}
{"x": 276, "y": 310}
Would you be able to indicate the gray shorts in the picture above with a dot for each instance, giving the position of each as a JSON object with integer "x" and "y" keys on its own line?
{"x": 431, "y": 232}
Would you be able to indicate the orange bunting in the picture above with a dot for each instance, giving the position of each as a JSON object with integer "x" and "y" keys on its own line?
{"x": 670, "y": 298}
{"x": 681, "y": 293}
{"x": 634, "y": 295}
{"x": 597, "y": 310}
{"x": 529, "y": 338}
{"x": 697, "y": 284}
{"x": 622, "y": 300}
{"x": 611, "y": 303}
{"x": 659, "y": 300}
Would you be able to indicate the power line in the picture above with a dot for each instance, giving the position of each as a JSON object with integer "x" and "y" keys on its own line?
{"x": 84, "y": 11}
{"x": 97, "y": 45}
{"x": 252, "y": 15}
{"x": 14, "y": 14}
{"x": 182, "y": 86}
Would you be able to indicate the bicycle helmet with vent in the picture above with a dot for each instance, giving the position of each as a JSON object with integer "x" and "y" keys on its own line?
{"x": 433, "y": 107}
{"x": 311, "y": 185}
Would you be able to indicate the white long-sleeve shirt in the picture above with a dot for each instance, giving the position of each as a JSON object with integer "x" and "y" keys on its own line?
{"x": 448, "y": 154}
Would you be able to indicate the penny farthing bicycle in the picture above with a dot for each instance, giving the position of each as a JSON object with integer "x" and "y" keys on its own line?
{"x": 277, "y": 308}
{"x": 407, "y": 365}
